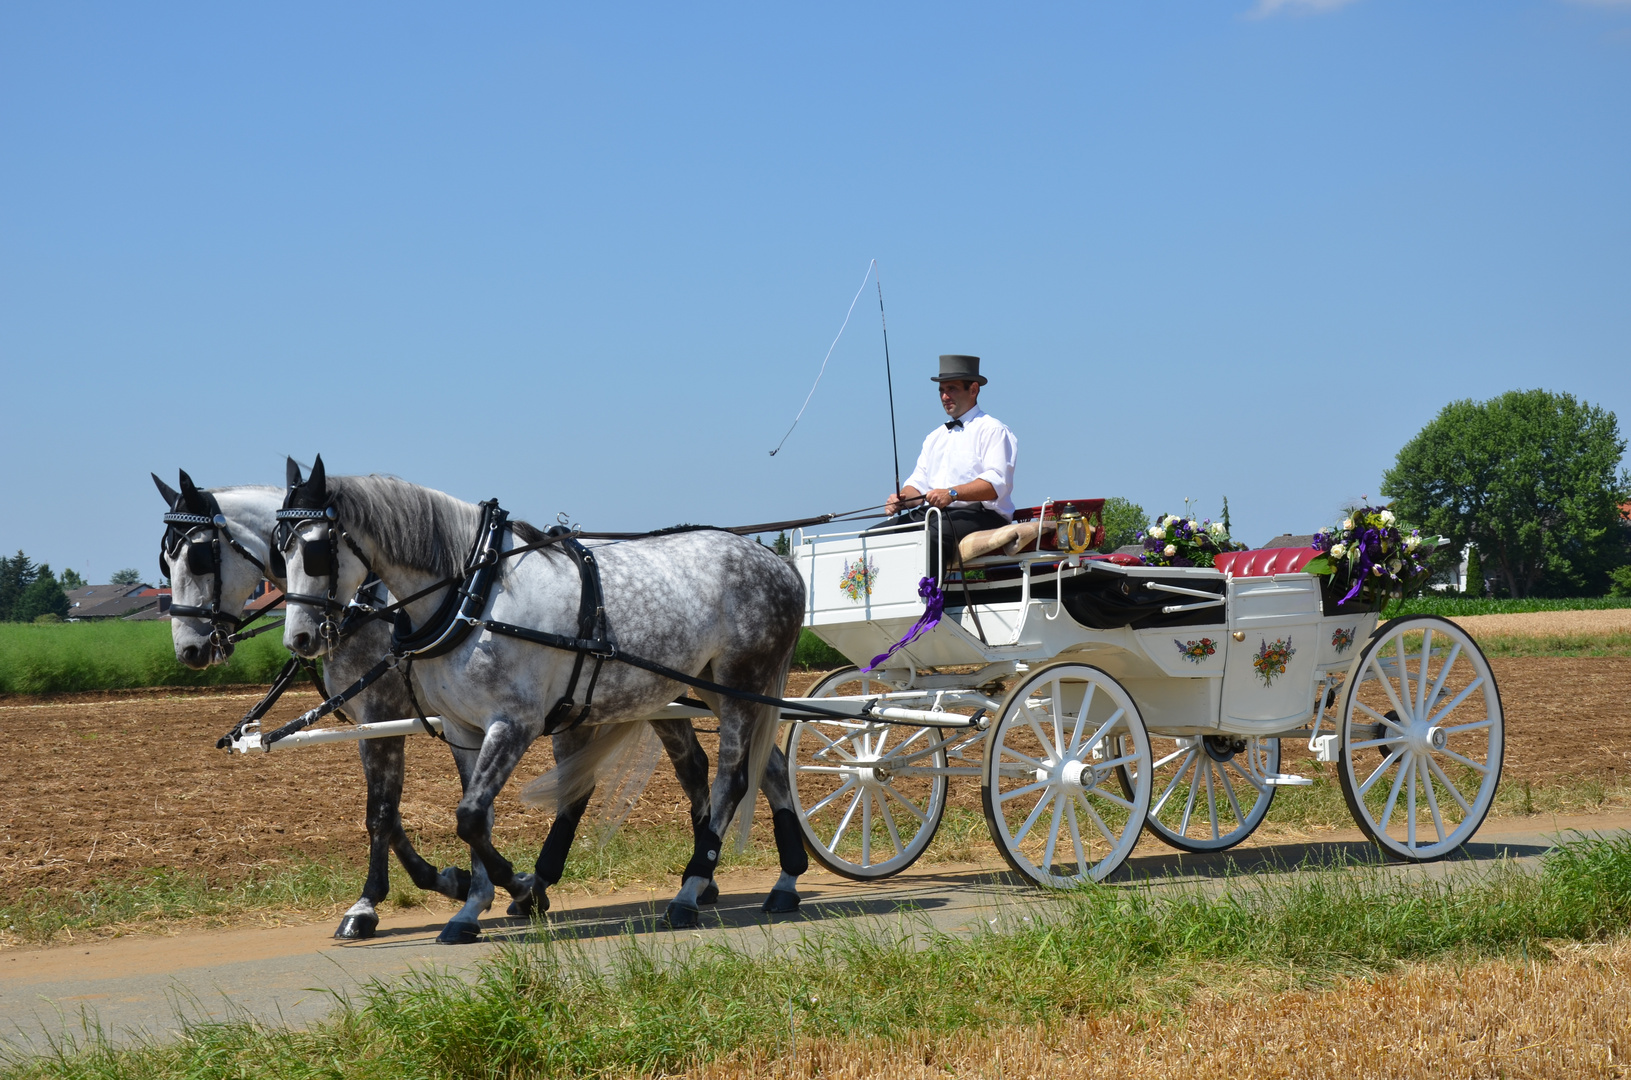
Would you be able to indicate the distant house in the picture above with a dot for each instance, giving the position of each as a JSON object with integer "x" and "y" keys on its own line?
{"x": 93, "y": 602}
{"x": 1285, "y": 540}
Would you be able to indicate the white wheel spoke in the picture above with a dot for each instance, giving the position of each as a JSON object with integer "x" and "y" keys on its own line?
{"x": 1010, "y": 752}
{"x": 1407, "y": 761}
{"x": 1421, "y": 673}
{"x": 1113, "y": 762}
{"x": 822, "y": 805}
{"x": 1189, "y": 803}
{"x": 1058, "y": 721}
{"x": 1229, "y": 789}
{"x": 1041, "y": 736}
{"x": 889, "y": 822}
{"x": 832, "y": 744}
{"x": 1387, "y": 683}
{"x": 1387, "y": 763}
{"x": 1458, "y": 699}
{"x": 1109, "y": 837}
{"x": 1366, "y": 744}
{"x": 1105, "y": 727}
{"x": 1081, "y": 716}
{"x": 1076, "y": 837}
{"x": 1103, "y": 794}
{"x": 1026, "y": 790}
{"x": 866, "y": 827}
{"x": 923, "y": 819}
{"x": 1432, "y": 798}
{"x": 1394, "y": 724}
{"x": 844, "y": 823}
{"x": 1178, "y": 753}
{"x": 1036, "y": 812}
{"x": 1471, "y": 726}
{"x": 1211, "y": 800}
{"x": 1410, "y": 807}
{"x": 1249, "y": 777}
{"x": 1443, "y": 674}
{"x": 1454, "y": 792}
{"x": 1053, "y": 835}
{"x": 1467, "y": 761}
{"x": 1179, "y": 775}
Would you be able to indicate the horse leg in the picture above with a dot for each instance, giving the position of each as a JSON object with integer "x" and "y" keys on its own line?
{"x": 784, "y": 895}
{"x": 551, "y": 862}
{"x": 500, "y": 753}
{"x": 383, "y": 775}
{"x": 691, "y": 768}
{"x": 737, "y": 723}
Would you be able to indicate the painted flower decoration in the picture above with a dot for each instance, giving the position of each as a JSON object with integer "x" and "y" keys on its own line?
{"x": 1272, "y": 658}
{"x": 858, "y": 577}
{"x": 1341, "y": 639}
{"x": 1196, "y": 651}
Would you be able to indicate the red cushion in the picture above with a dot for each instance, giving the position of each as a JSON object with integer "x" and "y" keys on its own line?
{"x": 1265, "y": 561}
{"x": 1117, "y": 558}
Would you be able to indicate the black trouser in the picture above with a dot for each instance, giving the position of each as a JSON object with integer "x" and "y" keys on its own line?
{"x": 952, "y": 525}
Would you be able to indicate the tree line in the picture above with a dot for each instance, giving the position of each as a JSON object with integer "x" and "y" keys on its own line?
{"x": 1531, "y": 480}
{"x": 30, "y": 591}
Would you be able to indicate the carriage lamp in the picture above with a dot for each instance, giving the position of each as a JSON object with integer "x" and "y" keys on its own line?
{"x": 1072, "y": 532}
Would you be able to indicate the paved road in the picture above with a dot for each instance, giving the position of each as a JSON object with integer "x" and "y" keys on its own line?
{"x": 144, "y": 986}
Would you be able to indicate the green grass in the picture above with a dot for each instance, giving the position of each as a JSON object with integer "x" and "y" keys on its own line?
{"x": 548, "y": 1009}
{"x": 812, "y": 652}
{"x": 1559, "y": 645}
{"x": 1455, "y": 606}
{"x": 68, "y": 657}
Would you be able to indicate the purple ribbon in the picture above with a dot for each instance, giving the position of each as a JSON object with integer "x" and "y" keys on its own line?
{"x": 934, "y": 603}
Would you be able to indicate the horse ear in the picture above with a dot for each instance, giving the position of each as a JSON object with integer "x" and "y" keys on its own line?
{"x": 193, "y": 497}
{"x": 171, "y": 495}
{"x": 318, "y": 480}
{"x": 291, "y": 474}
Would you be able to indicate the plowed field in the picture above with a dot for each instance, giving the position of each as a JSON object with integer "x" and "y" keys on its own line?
{"x": 104, "y": 785}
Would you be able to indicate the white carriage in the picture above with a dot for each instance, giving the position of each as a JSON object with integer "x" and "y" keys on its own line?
{"x": 1094, "y": 697}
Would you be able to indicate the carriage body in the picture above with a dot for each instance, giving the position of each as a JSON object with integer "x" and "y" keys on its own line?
{"x": 1130, "y": 696}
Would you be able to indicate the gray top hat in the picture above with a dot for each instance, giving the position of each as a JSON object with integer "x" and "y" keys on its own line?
{"x": 963, "y": 368}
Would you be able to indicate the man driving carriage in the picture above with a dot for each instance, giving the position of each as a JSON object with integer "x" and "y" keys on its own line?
{"x": 966, "y": 466}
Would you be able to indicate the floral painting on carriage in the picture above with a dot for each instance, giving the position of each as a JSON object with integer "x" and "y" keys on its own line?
{"x": 1272, "y": 658}
{"x": 858, "y": 577}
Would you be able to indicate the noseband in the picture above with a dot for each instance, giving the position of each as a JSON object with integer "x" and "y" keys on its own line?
{"x": 321, "y": 558}
{"x": 204, "y": 557}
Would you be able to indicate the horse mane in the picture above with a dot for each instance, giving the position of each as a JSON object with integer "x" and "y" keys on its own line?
{"x": 414, "y": 526}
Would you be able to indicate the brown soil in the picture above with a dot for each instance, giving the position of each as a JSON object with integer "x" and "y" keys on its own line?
{"x": 110, "y": 785}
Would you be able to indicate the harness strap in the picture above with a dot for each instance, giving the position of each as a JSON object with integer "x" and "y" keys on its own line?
{"x": 333, "y": 704}
{"x": 592, "y": 627}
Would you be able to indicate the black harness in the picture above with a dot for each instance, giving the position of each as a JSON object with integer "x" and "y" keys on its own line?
{"x": 202, "y": 535}
{"x": 462, "y": 611}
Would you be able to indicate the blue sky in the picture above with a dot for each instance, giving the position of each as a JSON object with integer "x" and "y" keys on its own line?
{"x": 589, "y": 258}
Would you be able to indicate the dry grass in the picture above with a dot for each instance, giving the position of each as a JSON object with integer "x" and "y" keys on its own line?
{"x": 1548, "y": 623}
{"x": 1569, "y": 1016}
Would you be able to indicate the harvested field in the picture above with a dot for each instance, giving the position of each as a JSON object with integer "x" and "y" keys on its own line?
{"x": 1548, "y": 623}
{"x": 111, "y": 786}
{"x": 1570, "y": 1017}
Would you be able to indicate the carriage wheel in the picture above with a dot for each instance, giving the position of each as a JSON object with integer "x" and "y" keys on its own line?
{"x": 1210, "y": 791}
{"x": 1051, "y": 796}
{"x": 866, "y": 810}
{"x": 1425, "y": 698}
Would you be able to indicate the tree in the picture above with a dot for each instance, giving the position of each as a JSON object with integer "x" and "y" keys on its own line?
{"x": 128, "y": 576}
{"x": 1474, "y": 584}
{"x": 16, "y": 575}
{"x": 44, "y": 596}
{"x": 1123, "y": 521}
{"x": 71, "y": 580}
{"x": 1530, "y": 477}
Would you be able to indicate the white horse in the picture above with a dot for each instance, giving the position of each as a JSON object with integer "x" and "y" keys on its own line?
{"x": 216, "y": 561}
{"x": 705, "y": 603}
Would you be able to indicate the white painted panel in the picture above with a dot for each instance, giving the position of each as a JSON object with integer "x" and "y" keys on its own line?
{"x": 1269, "y": 674}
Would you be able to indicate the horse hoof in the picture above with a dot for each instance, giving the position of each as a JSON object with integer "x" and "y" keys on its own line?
{"x": 526, "y": 907}
{"x": 681, "y": 917}
{"x": 357, "y": 927}
{"x": 710, "y": 895}
{"x": 782, "y": 901}
{"x": 460, "y": 932}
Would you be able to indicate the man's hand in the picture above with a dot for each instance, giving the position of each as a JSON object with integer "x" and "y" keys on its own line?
{"x": 940, "y": 497}
{"x": 906, "y": 497}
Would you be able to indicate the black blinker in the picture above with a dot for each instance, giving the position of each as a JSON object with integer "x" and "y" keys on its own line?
{"x": 201, "y": 558}
{"x": 277, "y": 567}
{"x": 315, "y": 555}
{"x": 164, "y": 566}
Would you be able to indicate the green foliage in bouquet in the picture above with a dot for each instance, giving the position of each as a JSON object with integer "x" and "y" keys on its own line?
{"x": 1371, "y": 557}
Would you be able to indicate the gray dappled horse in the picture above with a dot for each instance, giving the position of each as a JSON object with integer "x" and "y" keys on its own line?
{"x": 211, "y": 581}
{"x": 705, "y": 602}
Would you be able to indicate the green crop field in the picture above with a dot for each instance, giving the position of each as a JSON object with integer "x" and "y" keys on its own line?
{"x": 56, "y": 658}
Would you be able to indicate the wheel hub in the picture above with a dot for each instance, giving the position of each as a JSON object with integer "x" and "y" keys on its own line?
{"x": 1072, "y": 773}
{"x": 1223, "y": 747}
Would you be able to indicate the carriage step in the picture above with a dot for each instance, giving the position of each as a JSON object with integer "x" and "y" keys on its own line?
{"x": 1287, "y": 780}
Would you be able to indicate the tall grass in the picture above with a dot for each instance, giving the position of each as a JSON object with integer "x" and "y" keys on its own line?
{"x": 551, "y": 1009}
{"x": 54, "y": 658}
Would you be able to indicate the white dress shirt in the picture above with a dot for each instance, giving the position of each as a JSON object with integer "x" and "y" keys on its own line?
{"x": 982, "y": 449}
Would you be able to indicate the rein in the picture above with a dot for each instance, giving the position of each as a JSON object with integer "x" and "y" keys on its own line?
{"x": 462, "y": 611}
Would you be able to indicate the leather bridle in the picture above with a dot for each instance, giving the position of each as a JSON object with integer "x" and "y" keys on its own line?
{"x": 202, "y": 535}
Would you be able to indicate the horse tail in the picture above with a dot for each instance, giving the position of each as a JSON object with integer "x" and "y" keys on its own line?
{"x": 763, "y": 741}
{"x": 575, "y": 775}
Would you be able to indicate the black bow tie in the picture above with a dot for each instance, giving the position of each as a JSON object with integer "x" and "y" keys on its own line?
{"x": 954, "y": 425}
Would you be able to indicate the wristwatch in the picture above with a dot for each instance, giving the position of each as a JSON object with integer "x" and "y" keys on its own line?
{"x": 953, "y": 494}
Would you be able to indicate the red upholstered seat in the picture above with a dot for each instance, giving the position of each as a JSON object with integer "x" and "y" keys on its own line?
{"x": 1265, "y": 561}
{"x": 1117, "y": 558}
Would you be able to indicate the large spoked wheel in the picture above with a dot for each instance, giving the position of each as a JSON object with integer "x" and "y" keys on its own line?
{"x": 1422, "y": 738}
{"x": 1210, "y": 791}
{"x": 1052, "y": 800}
{"x": 869, "y": 796}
